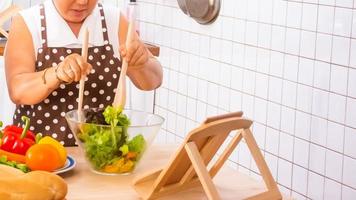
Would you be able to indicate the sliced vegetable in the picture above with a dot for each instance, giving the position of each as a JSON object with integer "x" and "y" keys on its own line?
{"x": 121, "y": 165}
{"x": 115, "y": 117}
{"x": 137, "y": 144}
{"x": 13, "y": 156}
{"x": 124, "y": 149}
{"x": 131, "y": 155}
{"x": 108, "y": 149}
{"x": 20, "y": 166}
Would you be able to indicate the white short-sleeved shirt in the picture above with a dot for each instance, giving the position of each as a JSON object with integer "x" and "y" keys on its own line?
{"x": 59, "y": 33}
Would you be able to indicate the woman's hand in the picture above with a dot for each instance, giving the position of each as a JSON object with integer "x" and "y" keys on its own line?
{"x": 135, "y": 53}
{"x": 73, "y": 68}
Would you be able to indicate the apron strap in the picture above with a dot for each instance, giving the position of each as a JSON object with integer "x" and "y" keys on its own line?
{"x": 103, "y": 24}
{"x": 43, "y": 26}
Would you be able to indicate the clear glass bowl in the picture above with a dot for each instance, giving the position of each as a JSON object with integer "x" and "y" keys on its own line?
{"x": 115, "y": 150}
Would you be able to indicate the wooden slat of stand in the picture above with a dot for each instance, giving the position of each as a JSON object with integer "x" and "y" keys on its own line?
{"x": 225, "y": 155}
{"x": 260, "y": 161}
{"x": 194, "y": 156}
{"x": 200, "y": 169}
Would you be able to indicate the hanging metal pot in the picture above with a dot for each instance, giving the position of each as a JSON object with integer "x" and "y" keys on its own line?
{"x": 202, "y": 11}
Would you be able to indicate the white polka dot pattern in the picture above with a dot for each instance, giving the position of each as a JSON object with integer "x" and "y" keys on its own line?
{"x": 48, "y": 116}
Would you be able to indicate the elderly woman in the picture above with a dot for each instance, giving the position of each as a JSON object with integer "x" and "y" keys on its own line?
{"x": 43, "y": 65}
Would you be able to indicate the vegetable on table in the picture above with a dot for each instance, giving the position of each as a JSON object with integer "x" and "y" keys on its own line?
{"x": 60, "y": 148}
{"x": 18, "y": 140}
{"x": 13, "y": 156}
{"x": 43, "y": 157}
{"x": 21, "y": 166}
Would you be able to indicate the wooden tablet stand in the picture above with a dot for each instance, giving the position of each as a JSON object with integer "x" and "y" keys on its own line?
{"x": 188, "y": 167}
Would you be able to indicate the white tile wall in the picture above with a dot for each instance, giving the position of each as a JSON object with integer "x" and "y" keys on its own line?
{"x": 288, "y": 64}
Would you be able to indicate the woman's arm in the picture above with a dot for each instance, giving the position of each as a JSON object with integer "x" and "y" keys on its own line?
{"x": 144, "y": 69}
{"x": 24, "y": 84}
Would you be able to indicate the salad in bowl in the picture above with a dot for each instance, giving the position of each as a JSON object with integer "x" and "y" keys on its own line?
{"x": 113, "y": 140}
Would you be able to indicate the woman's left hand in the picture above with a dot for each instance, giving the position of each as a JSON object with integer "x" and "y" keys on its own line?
{"x": 135, "y": 53}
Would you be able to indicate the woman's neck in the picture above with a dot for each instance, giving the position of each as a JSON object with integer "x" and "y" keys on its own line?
{"x": 75, "y": 27}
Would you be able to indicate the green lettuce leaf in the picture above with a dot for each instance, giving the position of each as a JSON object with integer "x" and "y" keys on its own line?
{"x": 137, "y": 144}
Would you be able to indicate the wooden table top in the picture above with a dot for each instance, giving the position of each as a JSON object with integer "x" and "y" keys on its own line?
{"x": 84, "y": 184}
{"x": 153, "y": 49}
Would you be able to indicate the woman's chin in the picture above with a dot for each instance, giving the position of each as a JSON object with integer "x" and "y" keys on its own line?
{"x": 76, "y": 17}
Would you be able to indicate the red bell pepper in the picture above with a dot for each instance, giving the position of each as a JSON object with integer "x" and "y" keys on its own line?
{"x": 18, "y": 142}
{"x": 18, "y": 130}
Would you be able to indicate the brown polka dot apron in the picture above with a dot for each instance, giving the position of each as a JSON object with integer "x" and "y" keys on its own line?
{"x": 47, "y": 117}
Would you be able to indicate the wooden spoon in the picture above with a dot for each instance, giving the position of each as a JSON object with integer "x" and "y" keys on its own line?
{"x": 82, "y": 80}
{"x": 120, "y": 96}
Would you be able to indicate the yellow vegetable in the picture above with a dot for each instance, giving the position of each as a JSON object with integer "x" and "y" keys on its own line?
{"x": 114, "y": 167}
{"x": 127, "y": 167}
{"x": 61, "y": 150}
{"x": 120, "y": 166}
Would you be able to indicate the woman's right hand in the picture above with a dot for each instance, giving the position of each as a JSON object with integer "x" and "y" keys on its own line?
{"x": 73, "y": 68}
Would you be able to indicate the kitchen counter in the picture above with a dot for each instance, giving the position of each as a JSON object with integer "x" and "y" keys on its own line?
{"x": 84, "y": 184}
